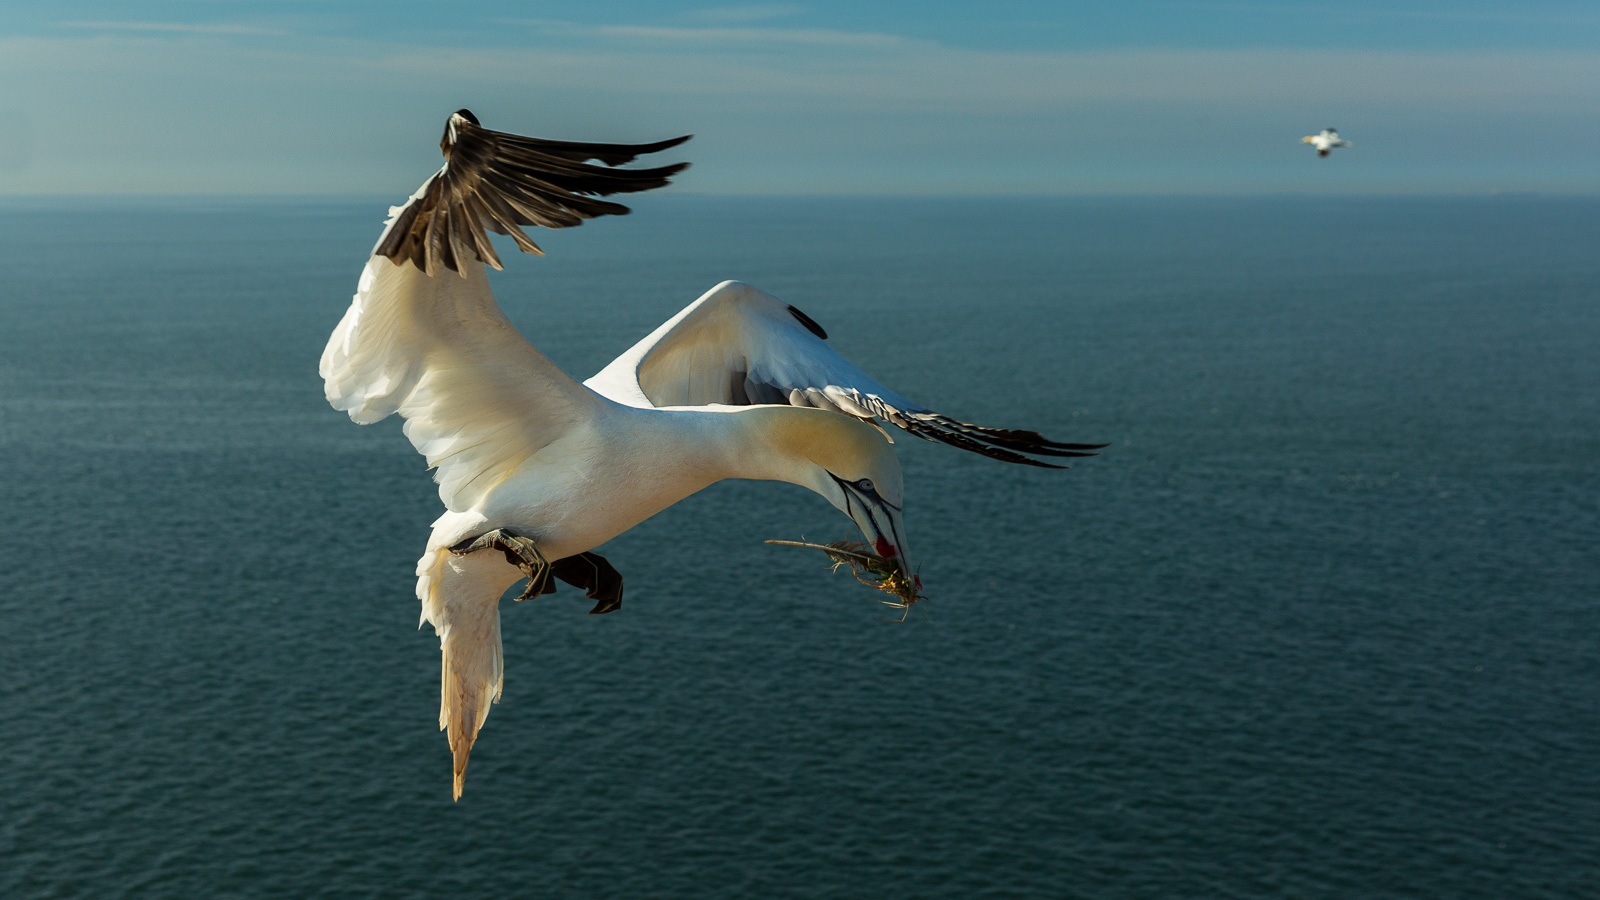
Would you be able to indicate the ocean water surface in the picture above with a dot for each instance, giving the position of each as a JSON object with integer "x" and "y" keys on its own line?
{"x": 1322, "y": 622}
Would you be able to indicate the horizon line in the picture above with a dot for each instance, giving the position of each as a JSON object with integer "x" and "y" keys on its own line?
{"x": 285, "y": 196}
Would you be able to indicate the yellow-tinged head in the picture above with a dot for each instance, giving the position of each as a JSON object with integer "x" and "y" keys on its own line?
{"x": 847, "y": 461}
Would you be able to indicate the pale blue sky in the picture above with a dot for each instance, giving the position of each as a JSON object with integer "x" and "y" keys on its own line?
{"x": 348, "y": 96}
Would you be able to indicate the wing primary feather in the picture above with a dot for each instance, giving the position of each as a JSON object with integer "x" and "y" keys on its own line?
{"x": 506, "y": 221}
{"x": 500, "y": 182}
{"x": 933, "y": 426}
{"x": 1023, "y": 441}
{"x": 434, "y": 243}
{"x": 479, "y": 213}
{"x": 963, "y": 442}
{"x": 1021, "y": 436}
{"x": 610, "y": 154}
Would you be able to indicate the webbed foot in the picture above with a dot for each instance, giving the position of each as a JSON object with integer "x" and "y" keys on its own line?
{"x": 598, "y": 578}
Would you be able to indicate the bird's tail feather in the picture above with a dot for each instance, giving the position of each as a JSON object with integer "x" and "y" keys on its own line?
{"x": 461, "y": 598}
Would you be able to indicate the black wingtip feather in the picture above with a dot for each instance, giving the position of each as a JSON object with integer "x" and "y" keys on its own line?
{"x": 500, "y": 182}
{"x": 1008, "y": 445}
{"x": 1005, "y": 444}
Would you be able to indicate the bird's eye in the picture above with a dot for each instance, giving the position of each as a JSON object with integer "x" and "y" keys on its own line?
{"x": 865, "y": 484}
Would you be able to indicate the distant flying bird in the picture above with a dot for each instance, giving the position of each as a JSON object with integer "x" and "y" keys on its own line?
{"x": 1326, "y": 141}
{"x": 535, "y": 469}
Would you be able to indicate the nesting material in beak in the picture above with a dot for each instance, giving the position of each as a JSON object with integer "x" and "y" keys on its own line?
{"x": 870, "y": 569}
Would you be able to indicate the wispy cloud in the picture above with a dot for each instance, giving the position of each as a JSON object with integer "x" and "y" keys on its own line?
{"x": 735, "y": 14}
{"x": 818, "y": 36}
{"x": 1348, "y": 14}
{"x": 173, "y": 28}
{"x": 922, "y": 76}
{"x": 914, "y": 116}
{"x": 719, "y": 36}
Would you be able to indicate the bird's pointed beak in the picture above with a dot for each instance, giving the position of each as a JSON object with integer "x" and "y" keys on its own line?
{"x": 883, "y": 528}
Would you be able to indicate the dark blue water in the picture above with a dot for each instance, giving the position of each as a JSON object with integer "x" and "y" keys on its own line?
{"x": 1322, "y": 622}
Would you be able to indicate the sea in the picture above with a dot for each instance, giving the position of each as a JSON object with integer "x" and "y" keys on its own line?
{"x": 1323, "y": 621}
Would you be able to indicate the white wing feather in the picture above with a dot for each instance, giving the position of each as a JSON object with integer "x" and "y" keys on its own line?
{"x": 739, "y": 345}
{"x": 478, "y": 399}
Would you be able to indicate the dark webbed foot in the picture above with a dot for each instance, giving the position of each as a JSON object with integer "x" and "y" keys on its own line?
{"x": 520, "y": 552}
{"x": 598, "y": 578}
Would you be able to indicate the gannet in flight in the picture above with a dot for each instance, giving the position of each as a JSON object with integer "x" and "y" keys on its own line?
{"x": 535, "y": 469}
{"x": 1326, "y": 141}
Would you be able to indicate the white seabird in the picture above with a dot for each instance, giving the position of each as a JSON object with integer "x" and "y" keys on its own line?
{"x": 534, "y": 468}
{"x": 1326, "y": 141}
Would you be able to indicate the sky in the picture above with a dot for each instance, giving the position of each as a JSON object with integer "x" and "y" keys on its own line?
{"x": 347, "y": 97}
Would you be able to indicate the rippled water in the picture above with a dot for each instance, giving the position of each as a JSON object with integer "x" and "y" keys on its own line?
{"x": 1322, "y": 622}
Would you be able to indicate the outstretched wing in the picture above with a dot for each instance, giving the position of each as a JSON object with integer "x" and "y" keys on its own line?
{"x": 478, "y": 399}
{"x": 433, "y": 345}
{"x": 738, "y": 345}
{"x": 500, "y": 182}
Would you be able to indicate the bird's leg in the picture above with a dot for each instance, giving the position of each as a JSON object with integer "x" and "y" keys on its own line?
{"x": 520, "y": 552}
{"x": 598, "y": 578}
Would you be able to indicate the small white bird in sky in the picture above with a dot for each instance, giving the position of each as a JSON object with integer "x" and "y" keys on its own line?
{"x": 535, "y": 469}
{"x": 1326, "y": 141}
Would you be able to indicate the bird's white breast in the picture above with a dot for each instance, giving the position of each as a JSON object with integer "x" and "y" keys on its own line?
{"x": 599, "y": 480}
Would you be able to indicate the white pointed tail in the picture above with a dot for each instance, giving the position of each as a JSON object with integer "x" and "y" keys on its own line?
{"x": 461, "y": 598}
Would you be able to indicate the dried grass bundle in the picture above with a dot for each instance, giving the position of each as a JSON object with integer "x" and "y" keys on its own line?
{"x": 870, "y": 569}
